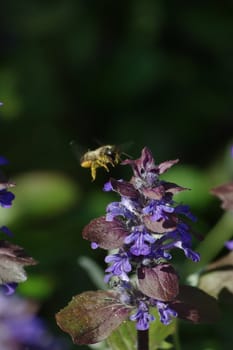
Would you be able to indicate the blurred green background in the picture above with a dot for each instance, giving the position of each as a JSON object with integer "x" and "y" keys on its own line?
{"x": 154, "y": 73}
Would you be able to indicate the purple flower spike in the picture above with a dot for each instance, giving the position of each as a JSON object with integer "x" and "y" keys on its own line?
{"x": 140, "y": 229}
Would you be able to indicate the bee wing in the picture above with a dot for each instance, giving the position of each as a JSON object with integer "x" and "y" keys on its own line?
{"x": 77, "y": 150}
{"x": 125, "y": 146}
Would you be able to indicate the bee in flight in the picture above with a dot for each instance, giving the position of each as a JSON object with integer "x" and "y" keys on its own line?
{"x": 101, "y": 157}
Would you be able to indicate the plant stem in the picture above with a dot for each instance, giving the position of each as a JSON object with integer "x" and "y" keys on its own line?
{"x": 143, "y": 340}
{"x": 176, "y": 338}
{"x": 212, "y": 244}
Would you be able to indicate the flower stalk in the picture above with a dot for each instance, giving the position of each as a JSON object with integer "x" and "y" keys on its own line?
{"x": 143, "y": 340}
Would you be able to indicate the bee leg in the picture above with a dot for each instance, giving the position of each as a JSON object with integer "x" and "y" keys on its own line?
{"x": 117, "y": 159}
{"x": 108, "y": 160}
{"x": 111, "y": 162}
{"x": 93, "y": 172}
{"x": 103, "y": 165}
{"x": 106, "y": 168}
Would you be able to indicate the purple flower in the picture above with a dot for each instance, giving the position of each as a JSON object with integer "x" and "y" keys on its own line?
{"x": 118, "y": 209}
{"x": 6, "y": 198}
{"x": 179, "y": 238}
{"x": 20, "y": 328}
{"x": 166, "y": 313}
{"x": 6, "y": 230}
{"x": 185, "y": 210}
{"x": 229, "y": 245}
{"x": 9, "y": 288}
{"x": 108, "y": 187}
{"x": 94, "y": 245}
{"x": 120, "y": 266}
{"x": 142, "y": 317}
{"x": 3, "y": 160}
{"x": 141, "y": 240}
{"x": 158, "y": 209}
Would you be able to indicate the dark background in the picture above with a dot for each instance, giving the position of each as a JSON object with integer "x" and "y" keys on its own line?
{"x": 154, "y": 73}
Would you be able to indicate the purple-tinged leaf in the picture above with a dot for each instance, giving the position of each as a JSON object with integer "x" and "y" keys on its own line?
{"x": 159, "y": 191}
{"x": 107, "y": 234}
{"x": 163, "y": 167}
{"x": 90, "y": 317}
{"x": 193, "y": 304}
{"x": 225, "y": 194}
{"x": 154, "y": 192}
{"x": 161, "y": 226}
{"x": 124, "y": 188}
{"x": 143, "y": 164}
{"x": 173, "y": 188}
{"x": 12, "y": 261}
{"x": 159, "y": 282}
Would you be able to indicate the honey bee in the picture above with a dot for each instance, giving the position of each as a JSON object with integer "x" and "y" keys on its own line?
{"x": 101, "y": 157}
